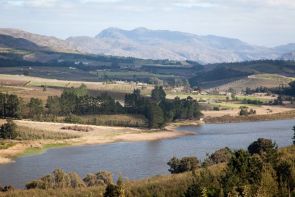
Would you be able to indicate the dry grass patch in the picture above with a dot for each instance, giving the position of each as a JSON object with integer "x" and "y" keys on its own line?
{"x": 28, "y": 133}
{"x": 77, "y": 128}
{"x": 123, "y": 120}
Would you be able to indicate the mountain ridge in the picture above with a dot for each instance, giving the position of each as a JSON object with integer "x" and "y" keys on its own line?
{"x": 164, "y": 44}
{"x": 49, "y": 43}
{"x": 153, "y": 44}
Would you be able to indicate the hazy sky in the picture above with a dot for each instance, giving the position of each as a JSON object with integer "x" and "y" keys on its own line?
{"x": 261, "y": 22}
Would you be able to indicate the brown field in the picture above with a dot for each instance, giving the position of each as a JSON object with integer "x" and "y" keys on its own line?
{"x": 254, "y": 81}
{"x": 260, "y": 110}
{"x": 251, "y": 118}
{"x": 27, "y": 81}
{"x": 28, "y": 92}
{"x": 115, "y": 120}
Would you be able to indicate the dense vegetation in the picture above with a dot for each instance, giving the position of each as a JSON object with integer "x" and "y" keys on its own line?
{"x": 8, "y": 130}
{"x": 75, "y": 103}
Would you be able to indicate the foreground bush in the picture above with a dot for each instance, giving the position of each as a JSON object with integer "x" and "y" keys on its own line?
{"x": 219, "y": 156}
{"x": 183, "y": 165}
{"x": 58, "y": 179}
{"x": 101, "y": 178}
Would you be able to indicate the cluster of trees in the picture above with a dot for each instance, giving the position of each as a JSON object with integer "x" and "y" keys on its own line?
{"x": 259, "y": 171}
{"x": 183, "y": 165}
{"x": 159, "y": 110}
{"x": 10, "y": 106}
{"x": 286, "y": 90}
{"x": 260, "y": 89}
{"x": 72, "y": 101}
{"x": 76, "y": 101}
{"x": 252, "y": 102}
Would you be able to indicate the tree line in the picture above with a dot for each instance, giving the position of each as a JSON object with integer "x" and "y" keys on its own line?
{"x": 77, "y": 101}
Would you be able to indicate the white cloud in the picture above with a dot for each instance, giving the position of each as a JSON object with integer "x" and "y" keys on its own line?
{"x": 157, "y": 3}
{"x": 100, "y": 1}
{"x": 52, "y": 3}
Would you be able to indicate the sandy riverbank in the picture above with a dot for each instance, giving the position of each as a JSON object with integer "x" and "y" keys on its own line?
{"x": 95, "y": 135}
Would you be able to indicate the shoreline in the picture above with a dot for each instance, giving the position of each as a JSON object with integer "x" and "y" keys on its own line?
{"x": 100, "y": 135}
{"x": 109, "y": 134}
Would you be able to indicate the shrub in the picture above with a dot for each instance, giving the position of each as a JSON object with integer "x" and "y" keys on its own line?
{"x": 57, "y": 179}
{"x": 8, "y": 130}
{"x": 6, "y": 188}
{"x": 113, "y": 190}
{"x": 183, "y": 165}
{"x": 77, "y": 128}
{"x": 100, "y": 178}
{"x": 215, "y": 108}
{"x": 72, "y": 119}
{"x": 219, "y": 156}
{"x": 245, "y": 112}
{"x": 265, "y": 148}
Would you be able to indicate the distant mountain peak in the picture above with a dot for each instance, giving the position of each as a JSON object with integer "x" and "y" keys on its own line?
{"x": 150, "y": 44}
{"x": 141, "y": 29}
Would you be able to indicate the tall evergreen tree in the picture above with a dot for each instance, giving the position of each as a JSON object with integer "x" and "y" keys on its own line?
{"x": 158, "y": 94}
{"x": 155, "y": 116}
{"x": 36, "y": 108}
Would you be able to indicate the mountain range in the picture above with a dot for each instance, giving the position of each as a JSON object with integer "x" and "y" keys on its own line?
{"x": 149, "y": 44}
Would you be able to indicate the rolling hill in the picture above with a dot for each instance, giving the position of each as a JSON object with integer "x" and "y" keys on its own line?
{"x": 19, "y": 39}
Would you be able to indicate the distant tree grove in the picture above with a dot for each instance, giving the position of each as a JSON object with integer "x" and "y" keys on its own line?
{"x": 76, "y": 101}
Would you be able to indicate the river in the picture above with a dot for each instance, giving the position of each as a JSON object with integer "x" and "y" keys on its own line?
{"x": 141, "y": 159}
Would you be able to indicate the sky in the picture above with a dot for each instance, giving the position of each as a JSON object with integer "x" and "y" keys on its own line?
{"x": 259, "y": 22}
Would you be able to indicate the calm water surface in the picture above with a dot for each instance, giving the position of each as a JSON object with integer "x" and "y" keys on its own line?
{"x": 141, "y": 159}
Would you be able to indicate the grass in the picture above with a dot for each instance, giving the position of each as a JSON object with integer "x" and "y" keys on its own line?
{"x": 251, "y": 118}
{"x": 40, "y": 150}
{"x": 276, "y": 77}
{"x": 249, "y": 97}
{"x": 229, "y": 105}
{"x": 33, "y": 82}
{"x": 115, "y": 120}
{"x": 254, "y": 81}
{"x": 26, "y": 133}
{"x": 6, "y": 144}
{"x": 196, "y": 96}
